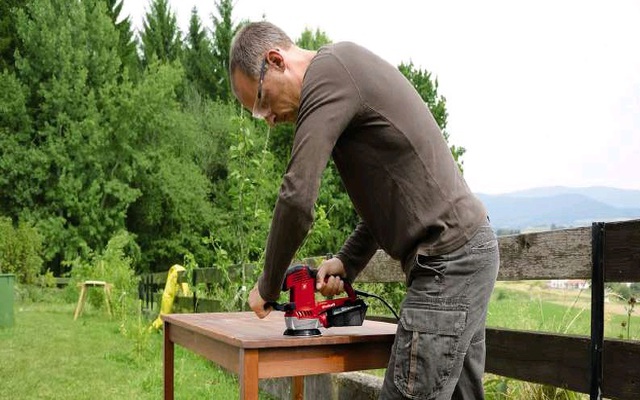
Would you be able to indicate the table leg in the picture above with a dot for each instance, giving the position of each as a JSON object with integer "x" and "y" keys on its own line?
{"x": 297, "y": 388}
{"x": 248, "y": 376}
{"x": 168, "y": 348}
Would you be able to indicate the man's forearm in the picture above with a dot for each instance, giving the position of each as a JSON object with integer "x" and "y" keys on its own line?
{"x": 289, "y": 227}
{"x": 357, "y": 251}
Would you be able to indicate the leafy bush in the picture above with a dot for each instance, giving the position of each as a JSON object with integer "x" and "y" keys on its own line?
{"x": 20, "y": 250}
{"x": 114, "y": 265}
{"x": 47, "y": 280}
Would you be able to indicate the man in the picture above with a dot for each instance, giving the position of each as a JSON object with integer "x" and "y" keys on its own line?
{"x": 349, "y": 104}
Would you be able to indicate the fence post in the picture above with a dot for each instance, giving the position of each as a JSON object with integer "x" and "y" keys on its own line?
{"x": 194, "y": 290}
{"x": 597, "y": 308}
{"x": 146, "y": 291}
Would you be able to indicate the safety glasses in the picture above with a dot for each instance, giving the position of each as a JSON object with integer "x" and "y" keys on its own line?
{"x": 260, "y": 108}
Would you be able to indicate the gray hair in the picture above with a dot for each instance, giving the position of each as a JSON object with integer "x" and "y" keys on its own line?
{"x": 250, "y": 45}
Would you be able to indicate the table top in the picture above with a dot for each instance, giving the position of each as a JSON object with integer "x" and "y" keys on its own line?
{"x": 246, "y": 330}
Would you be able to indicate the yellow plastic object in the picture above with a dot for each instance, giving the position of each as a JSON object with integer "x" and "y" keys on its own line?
{"x": 174, "y": 283}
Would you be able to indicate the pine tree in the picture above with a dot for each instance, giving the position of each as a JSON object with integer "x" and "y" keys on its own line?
{"x": 223, "y": 31}
{"x": 313, "y": 40}
{"x": 198, "y": 59}
{"x": 8, "y": 33}
{"x": 127, "y": 46}
{"x": 160, "y": 36}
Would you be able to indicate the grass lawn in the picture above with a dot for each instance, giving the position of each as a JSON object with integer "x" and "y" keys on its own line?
{"x": 47, "y": 355}
{"x": 531, "y": 306}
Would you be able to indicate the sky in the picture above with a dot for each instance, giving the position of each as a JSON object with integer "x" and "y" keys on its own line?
{"x": 539, "y": 93}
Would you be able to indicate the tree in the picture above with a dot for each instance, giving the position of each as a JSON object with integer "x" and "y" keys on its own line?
{"x": 160, "y": 35}
{"x": 198, "y": 60}
{"x": 246, "y": 197}
{"x": 174, "y": 212}
{"x": 223, "y": 31}
{"x": 8, "y": 32}
{"x": 16, "y": 152}
{"x": 127, "y": 46}
{"x": 62, "y": 169}
{"x": 313, "y": 40}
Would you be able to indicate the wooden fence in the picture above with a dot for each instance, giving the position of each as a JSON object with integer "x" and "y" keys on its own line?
{"x": 150, "y": 287}
{"x": 604, "y": 252}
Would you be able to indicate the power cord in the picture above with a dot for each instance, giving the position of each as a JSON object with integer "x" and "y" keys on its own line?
{"x": 365, "y": 294}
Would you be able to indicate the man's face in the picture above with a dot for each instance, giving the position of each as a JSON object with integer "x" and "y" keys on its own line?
{"x": 270, "y": 96}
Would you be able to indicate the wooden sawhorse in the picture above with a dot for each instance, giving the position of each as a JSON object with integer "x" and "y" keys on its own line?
{"x": 83, "y": 295}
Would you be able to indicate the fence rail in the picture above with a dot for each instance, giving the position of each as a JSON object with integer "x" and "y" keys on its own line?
{"x": 587, "y": 364}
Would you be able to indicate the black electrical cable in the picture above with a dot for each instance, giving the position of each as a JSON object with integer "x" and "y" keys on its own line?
{"x": 365, "y": 294}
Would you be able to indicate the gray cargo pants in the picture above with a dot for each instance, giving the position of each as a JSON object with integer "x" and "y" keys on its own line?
{"x": 439, "y": 349}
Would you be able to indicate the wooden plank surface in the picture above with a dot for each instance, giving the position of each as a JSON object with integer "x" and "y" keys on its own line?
{"x": 223, "y": 354}
{"x": 563, "y": 361}
{"x": 622, "y": 251}
{"x": 561, "y": 254}
{"x": 245, "y": 330}
{"x": 621, "y": 377}
{"x": 320, "y": 359}
{"x": 557, "y": 360}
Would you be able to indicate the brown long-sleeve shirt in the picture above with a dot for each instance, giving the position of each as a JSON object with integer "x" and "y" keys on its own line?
{"x": 391, "y": 156}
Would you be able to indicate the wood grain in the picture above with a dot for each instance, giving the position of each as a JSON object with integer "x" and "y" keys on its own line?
{"x": 245, "y": 330}
{"x": 552, "y": 359}
{"x": 622, "y": 251}
{"x": 621, "y": 378}
{"x": 561, "y": 254}
{"x": 256, "y": 348}
{"x": 248, "y": 375}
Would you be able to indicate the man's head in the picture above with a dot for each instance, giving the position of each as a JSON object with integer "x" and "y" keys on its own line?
{"x": 265, "y": 72}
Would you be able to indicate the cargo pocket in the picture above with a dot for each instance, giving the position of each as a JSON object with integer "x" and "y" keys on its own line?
{"x": 426, "y": 343}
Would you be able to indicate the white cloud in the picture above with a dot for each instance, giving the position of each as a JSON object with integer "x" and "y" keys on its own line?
{"x": 539, "y": 92}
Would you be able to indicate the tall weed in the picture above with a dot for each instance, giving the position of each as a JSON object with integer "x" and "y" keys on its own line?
{"x": 114, "y": 265}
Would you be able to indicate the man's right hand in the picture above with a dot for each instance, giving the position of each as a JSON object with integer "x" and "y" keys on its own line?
{"x": 334, "y": 269}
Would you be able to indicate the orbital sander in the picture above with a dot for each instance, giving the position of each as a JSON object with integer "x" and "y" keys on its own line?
{"x": 304, "y": 315}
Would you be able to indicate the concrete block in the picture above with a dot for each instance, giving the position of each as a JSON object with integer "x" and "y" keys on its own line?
{"x": 343, "y": 386}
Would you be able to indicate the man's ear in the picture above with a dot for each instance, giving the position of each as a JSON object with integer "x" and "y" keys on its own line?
{"x": 275, "y": 59}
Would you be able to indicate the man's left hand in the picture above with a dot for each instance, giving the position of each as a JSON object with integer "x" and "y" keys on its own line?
{"x": 256, "y": 302}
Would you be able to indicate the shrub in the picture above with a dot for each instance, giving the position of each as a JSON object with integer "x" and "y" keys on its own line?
{"x": 20, "y": 249}
{"x": 114, "y": 265}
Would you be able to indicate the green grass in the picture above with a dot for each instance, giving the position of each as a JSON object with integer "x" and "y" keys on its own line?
{"x": 556, "y": 311}
{"x": 47, "y": 355}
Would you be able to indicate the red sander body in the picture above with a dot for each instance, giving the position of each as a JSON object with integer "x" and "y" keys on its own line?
{"x": 304, "y": 315}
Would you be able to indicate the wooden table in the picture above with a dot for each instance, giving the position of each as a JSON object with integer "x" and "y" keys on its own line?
{"x": 256, "y": 348}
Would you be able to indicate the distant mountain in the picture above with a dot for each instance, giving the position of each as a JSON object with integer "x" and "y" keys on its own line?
{"x": 623, "y": 198}
{"x": 561, "y": 207}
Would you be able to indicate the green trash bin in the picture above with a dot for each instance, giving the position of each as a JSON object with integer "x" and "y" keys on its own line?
{"x": 6, "y": 300}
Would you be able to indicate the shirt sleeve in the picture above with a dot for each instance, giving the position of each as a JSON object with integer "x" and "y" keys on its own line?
{"x": 328, "y": 102}
{"x": 357, "y": 251}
